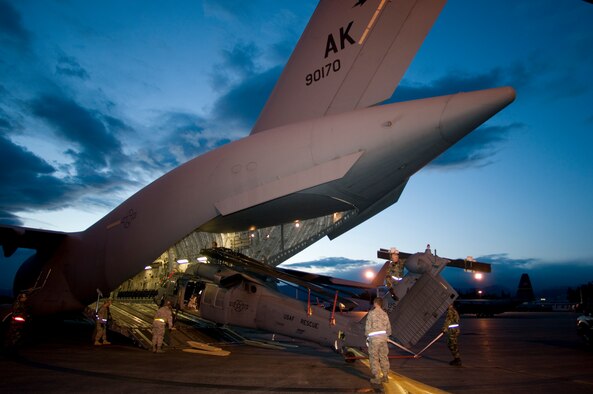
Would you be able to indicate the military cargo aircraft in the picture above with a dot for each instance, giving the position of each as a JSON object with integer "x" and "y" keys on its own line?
{"x": 321, "y": 150}
{"x": 488, "y": 307}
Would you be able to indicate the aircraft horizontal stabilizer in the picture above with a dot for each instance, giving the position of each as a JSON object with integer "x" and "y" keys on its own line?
{"x": 12, "y": 238}
{"x": 313, "y": 176}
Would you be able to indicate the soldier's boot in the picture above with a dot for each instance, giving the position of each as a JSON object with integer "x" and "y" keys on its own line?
{"x": 385, "y": 379}
{"x": 375, "y": 381}
{"x": 154, "y": 348}
{"x": 456, "y": 362}
{"x": 97, "y": 343}
{"x": 106, "y": 343}
{"x": 159, "y": 350}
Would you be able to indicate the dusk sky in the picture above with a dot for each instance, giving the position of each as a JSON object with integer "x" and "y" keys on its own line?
{"x": 99, "y": 98}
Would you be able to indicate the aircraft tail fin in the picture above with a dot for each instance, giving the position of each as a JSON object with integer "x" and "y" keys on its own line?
{"x": 524, "y": 289}
{"x": 352, "y": 54}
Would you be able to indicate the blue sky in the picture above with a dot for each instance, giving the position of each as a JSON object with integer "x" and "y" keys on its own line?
{"x": 97, "y": 99}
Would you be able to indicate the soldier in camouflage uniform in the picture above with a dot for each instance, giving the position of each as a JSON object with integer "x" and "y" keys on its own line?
{"x": 377, "y": 330}
{"x": 162, "y": 318}
{"x": 395, "y": 271}
{"x": 102, "y": 318}
{"x": 451, "y": 329}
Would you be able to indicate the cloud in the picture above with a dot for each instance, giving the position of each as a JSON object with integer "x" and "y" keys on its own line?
{"x": 28, "y": 184}
{"x": 97, "y": 166}
{"x": 340, "y": 267}
{"x": 69, "y": 67}
{"x": 477, "y": 149}
{"x": 451, "y": 83}
{"x": 237, "y": 64}
{"x": 12, "y": 31}
{"x": 228, "y": 10}
{"x": 242, "y": 104}
{"x": 95, "y": 145}
{"x": 9, "y": 218}
{"x": 244, "y": 88}
{"x": 33, "y": 184}
{"x": 182, "y": 139}
{"x": 506, "y": 272}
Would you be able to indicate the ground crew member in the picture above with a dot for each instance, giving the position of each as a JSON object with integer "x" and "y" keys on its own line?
{"x": 103, "y": 316}
{"x": 193, "y": 302}
{"x": 19, "y": 305}
{"x": 17, "y": 321}
{"x": 162, "y": 318}
{"x": 377, "y": 330}
{"x": 395, "y": 272}
{"x": 451, "y": 329}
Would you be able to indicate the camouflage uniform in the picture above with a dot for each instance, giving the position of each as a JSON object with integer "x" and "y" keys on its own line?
{"x": 101, "y": 324}
{"x": 15, "y": 329}
{"x": 19, "y": 305}
{"x": 162, "y": 317}
{"x": 395, "y": 272}
{"x": 451, "y": 329}
{"x": 377, "y": 330}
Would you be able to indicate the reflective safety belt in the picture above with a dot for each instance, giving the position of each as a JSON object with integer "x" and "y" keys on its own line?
{"x": 456, "y": 325}
{"x": 160, "y": 319}
{"x": 372, "y": 334}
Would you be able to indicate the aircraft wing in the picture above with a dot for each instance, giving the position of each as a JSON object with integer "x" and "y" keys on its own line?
{"x": 12, "y": 238}
{"x": 352, "y": 54}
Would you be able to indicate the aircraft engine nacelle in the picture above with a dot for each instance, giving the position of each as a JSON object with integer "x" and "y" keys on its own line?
{"x": 217, "y": 274}
{"x": 419, "y": 263}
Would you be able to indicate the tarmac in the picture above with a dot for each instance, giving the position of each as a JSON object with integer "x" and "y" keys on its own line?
{"x": 516, "y": 352}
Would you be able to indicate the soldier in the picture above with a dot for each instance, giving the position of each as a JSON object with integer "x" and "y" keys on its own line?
{"x": 19, "y": 305}
{"x": 193, "y": 302}
{"x": 377, "y": 330}
{"x": 103, "y": 316}
{"x": 451, "y": 329}
{"x": 395, "y": 271}
{"x": 17, "y": 322}
{"x": 162, "y": 318}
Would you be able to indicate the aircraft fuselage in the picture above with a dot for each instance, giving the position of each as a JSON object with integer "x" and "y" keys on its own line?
{"x": 254, "y": 306}
{"x": 304, "y": 170}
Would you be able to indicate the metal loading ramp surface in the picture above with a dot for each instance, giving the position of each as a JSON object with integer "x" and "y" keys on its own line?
{"x": 134, "y": 321}
{"x": 421, "y": 307}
